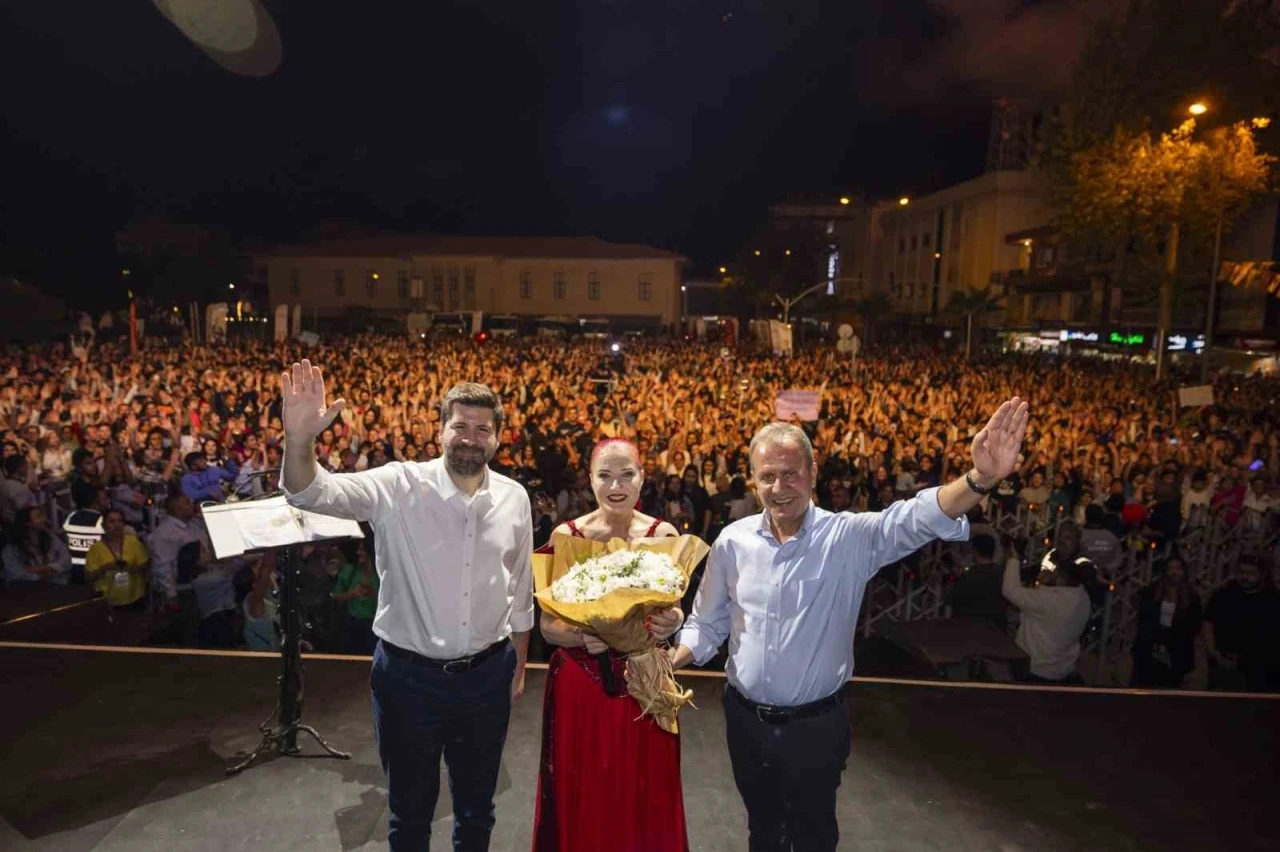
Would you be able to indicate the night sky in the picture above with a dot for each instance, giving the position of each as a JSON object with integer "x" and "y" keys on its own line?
{"x": 671, "y": 122}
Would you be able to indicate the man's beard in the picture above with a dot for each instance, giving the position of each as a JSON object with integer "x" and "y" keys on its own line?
{"x": 466, "y": 461}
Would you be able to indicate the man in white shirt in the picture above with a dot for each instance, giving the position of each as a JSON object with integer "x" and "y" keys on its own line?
{"x": 178, "y": 551}
{"x": 454, "y": 546}
{"x": 1055, "y": 611}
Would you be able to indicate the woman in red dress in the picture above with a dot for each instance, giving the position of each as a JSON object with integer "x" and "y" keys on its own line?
{"x": 610, "y": 779}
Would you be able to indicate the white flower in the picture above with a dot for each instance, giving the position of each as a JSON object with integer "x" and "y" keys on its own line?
{"x": 596, "y": 577}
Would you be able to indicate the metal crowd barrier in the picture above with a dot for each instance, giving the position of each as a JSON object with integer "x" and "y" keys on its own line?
{"x": 916, "y": 588}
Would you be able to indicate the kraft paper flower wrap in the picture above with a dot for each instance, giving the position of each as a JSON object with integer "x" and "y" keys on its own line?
{"x": 618, "y": 617}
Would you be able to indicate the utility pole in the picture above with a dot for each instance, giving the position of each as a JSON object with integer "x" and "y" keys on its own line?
{"x": 1213, "y": 302}
{"x": 787, "y": 303}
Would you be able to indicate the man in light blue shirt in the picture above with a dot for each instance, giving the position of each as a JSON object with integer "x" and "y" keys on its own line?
{"x": 785, "y": 587}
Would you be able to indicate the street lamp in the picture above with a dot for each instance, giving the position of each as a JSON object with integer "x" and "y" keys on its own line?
{"x": 1198, "y": 108}
{"x": 723, "y": 270}
{"x": 231, "y": 286}
{"x": 844, "y": 200}
{"x": 904, "y": 201}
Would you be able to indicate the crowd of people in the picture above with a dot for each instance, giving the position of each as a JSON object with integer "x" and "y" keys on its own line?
{"x": 140, "y": 441}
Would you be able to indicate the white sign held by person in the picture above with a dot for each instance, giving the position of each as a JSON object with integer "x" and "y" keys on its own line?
{"x": 1196, "y": 395}
{"x": 803, "y": 403}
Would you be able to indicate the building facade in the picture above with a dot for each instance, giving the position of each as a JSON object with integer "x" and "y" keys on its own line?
{"x": 954, "y": 240}
{"x": 823, "y": 240}
{"x": 393, "y": 276}
{"x": 1054, "y": 286}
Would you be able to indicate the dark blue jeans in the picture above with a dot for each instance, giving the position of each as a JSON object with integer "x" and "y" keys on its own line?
{"x": 420, "y": 713}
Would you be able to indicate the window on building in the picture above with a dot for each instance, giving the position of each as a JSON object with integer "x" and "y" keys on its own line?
{"x": 924, "y": 240}
{"x": 371, "y": 282}
{"x": 560, "y": 284}
{"x": 913, "y": 242}
{"x": 469, "y": 275}
{"x": 340, "y": 282}
{"x": 417, "y": 290}
{"x": 646, "y": 287}
{"x": 593, "y": 286}
{"x": 437, "y": 286}
{"x": 453, "y": 288}
{"x": 902, "y": 246}
{"x": 402, "y": 283}
{"x": 295, "y": 282}
{"x": 526, "y": 284}
{"x": 469, "y": 295}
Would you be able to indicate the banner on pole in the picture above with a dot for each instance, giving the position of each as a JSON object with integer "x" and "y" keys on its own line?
{"x": 1196, "y": 395}
{"x": 806, "y": 404}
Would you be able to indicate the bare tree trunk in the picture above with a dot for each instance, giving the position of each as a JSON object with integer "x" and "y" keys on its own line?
{"x": 968, "y": 334}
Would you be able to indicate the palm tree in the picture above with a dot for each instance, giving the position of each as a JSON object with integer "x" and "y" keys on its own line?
{"x": 869, "y": 308}
{"x": 971, "y": 302}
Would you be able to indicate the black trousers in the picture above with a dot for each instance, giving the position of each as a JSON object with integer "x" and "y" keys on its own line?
{"x": 421, "y": 714}
{"x": 787, "y": 775}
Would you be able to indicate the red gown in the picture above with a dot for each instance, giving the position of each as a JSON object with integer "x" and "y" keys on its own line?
{"x": 608, "y": 779}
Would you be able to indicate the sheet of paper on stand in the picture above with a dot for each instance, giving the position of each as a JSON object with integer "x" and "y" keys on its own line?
{"x": 224, "y": 532}
{"x": 256, "y": 524}
{"x": 325, "y": 526}
{"x": 272, "y": 524}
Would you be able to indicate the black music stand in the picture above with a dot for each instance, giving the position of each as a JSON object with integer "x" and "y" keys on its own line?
{"x": 271, "y": 524}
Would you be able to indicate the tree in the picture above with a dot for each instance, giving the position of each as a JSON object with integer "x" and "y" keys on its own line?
{"x": 1147, "y": 190}
{"x": 1125, "y": 185}
{"x": 970, "y": 303}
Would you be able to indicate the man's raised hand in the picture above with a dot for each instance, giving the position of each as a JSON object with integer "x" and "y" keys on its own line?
{"x": 995, "y": 449}
{"x": 304, "y": 411}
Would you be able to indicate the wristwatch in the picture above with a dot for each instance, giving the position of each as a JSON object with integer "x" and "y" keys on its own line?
{"x": 975, "y": 487}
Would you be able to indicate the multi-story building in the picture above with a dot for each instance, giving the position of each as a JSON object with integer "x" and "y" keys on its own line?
{"x": 392, "y": 276}
{"x": 954, "y": 239}
{"x": 812, "y": 241}
{"x": 1052, "y": 287}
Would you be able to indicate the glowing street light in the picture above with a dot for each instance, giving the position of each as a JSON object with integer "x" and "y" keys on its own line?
{"x": 904, "y": 201}
{"x": 757, "y": 252}
{"x": 844, "y": 200}
{"x": 788, "y": 252}
{"x": 1197, "y": 108}
{"x": 231, "y": 286}
{"x": 723, "y": 270}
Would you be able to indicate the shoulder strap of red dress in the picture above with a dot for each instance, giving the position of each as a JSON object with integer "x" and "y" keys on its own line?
{"x": 573, "y": 529}
{"x": 657, "y": 522}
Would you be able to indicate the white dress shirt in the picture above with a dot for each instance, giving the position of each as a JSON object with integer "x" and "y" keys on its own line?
{"x": 790, "y": 610}
{"x": 456, "y": 572}
{"x": 168, "y": 539}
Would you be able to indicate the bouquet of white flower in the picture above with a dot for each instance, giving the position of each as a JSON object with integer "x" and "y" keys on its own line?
{"x": 597, "y": 576}
{"x": 609, "y": 589}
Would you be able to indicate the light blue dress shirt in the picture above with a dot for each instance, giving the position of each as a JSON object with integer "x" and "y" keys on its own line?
{"x": 790, "y": 610}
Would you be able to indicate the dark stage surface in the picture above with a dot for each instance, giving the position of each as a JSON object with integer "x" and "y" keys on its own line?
{"x": 125, "y": 751}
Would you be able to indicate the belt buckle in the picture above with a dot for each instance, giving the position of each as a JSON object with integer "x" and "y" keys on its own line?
{"x": 457, "y": 666}
{"x": 771, "y": 715}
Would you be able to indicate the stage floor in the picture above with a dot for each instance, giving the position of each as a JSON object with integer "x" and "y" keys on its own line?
{"x": 109, "y": 751}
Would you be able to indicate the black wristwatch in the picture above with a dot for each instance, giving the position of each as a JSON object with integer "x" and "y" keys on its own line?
{"x": 975, "y": 487}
